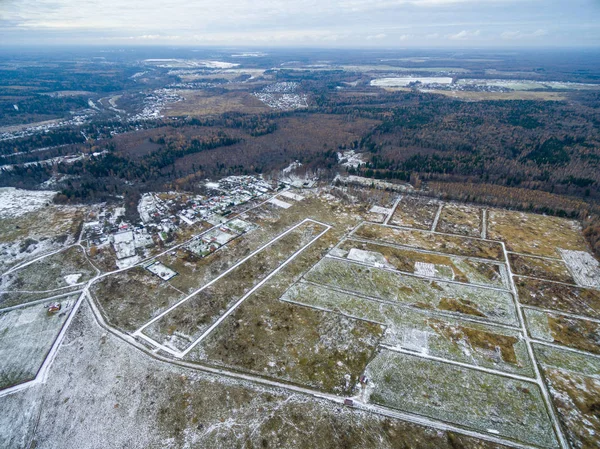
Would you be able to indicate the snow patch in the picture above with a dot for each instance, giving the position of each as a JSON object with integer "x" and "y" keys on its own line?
{"x": 280, "y": 203}
{"x": 17, "y": 202}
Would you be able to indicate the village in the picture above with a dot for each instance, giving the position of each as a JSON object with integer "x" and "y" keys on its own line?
{"x": 163, "y": 214}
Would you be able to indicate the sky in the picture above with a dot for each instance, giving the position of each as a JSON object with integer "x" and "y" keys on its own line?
{"x": 304, "y": 23}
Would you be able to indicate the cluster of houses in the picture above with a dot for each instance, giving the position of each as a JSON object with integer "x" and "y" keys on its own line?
{"x": 163, "y": 213}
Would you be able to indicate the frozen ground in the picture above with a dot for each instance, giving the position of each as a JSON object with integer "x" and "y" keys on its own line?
{"x": 584, "y": 268}
{"x": 17, "y": 202}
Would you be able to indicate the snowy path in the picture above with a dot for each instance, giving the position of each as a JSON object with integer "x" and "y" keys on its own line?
{"x": 528, "y": 343}
{"x": 437, "y": 217}
{"x": 484, "y": 224}
{"x": 393, "y": 210}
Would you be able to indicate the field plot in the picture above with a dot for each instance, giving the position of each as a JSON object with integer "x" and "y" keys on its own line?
{"x": 463, "y": 300}
{"x": 460, "y": 219}
{"x": 415, "y": 212}
{"x": 553, "y": 270}
{"x": 534, "y": 234}
{"x": 455, "y": 268}
{"x": 186, "y": 323}
{"x": 131, "y": 298}
{"x": 26, "y": 336}
{"x": 584, "y": 267}
{"x": 462, "y": 396}
{"x": 559, "y": 297}
{"x": 574, "y": 384}
{"x": 446, "y": 244}
{"x": 571, "y": 332}
{"x": 477, "y": 344}
{"x": 200, "y": 103}
{"x": 323, "y": 350}
{"x": 61, "y": 270}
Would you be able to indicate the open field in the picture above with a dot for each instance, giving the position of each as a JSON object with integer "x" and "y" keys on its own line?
{"x": 567, "y": 331}
{"x": 199, "y": 103}
{"x": 447, "y": 244}
{"x": 455, "y": 268}
{"x": 559, "y": 297}
{"x": 420, "y": 331}
{"x": 462, "y": 396}
{"x": 460, "y": 219}
{"x": 26, "y": 336}
{"x": 538, "y": 235}
{"x": 415, "y": 212}
{"x": 552, "y": 270}
{"x": 463, "y": 300}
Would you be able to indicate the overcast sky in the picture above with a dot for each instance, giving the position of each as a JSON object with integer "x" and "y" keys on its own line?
{"x": 309, "y": 23}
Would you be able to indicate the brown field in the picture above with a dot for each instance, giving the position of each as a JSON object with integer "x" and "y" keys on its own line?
{"x": 460, "y": 219}
{"x": 132, "y": 298}
{"x": 461, "y": 246}
{"x": 539, "y": 235}
{"x": 415, "y": 212}
{"x": 200, "y": 103}
{"x": 552, "y": 270}
{"x": 462, "y": 270}
{"x": 559, "y": 297}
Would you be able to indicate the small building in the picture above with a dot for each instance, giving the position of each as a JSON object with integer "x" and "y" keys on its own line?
{"x": 349, "y": 402}
{"x": 363, "y": 380}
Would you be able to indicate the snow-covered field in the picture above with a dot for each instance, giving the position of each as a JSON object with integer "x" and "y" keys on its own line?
{"x": 406, "y": 80}
{"x": 584, "y": 268}
{"x": 162, "y": 271}
{"x": 17, "y": 202}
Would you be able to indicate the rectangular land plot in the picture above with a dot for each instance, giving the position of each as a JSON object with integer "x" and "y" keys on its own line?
{"x": 486, "y": 402}
{"x": 463, "y": 300}
{"x": 552, "y": 270}
{"x": 461, "y": 341}
{"x": 573, "y": 381}
{"x": 559, "y": 297}
{"x": 567, "y": 331}
{"x": 460, "y": 219}
{"x": 26, "y": 336}
{"x": 322, "y": 350}
{"x": 584, "y": 267}
{"x": 446, "y": 244}
{"x": 183, "y": 325}
{"x": 534, "y": 234}
{"x": 461, "y": 269}
{"x": 415, "y": 212}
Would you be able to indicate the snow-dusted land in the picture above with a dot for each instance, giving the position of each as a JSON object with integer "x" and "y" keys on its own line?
{"x": 17, "y": 202}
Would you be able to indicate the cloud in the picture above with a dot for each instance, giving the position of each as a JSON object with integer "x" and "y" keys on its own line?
{"x": 518, "y": 35}
{"x": 376, "y": 36}
{"x": 464, "y": 35}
